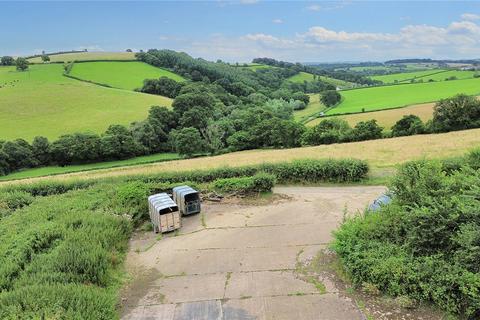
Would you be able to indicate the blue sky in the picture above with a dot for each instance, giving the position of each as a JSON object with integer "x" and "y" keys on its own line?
{"x": 242, "y": 30}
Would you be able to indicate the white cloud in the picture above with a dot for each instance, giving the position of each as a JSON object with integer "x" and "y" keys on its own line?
{"x": 327, "y": 5}
{"x": 277, "y": 21}
{"x": 470, "y": 16}
{"x": 460, "y": 39}
{"x": 248, "y": 1}
{"x": 314, "y": 7}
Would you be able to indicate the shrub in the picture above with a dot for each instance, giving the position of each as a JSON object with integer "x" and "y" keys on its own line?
{"x": 131, "y": 197}
{"x": 328, "y": 131}
{"x": 261, "y": 182}
{"x": 457, "y": 113}
{"x": 407, "y": 126}
{"x": 330, "y": 98}
{"x": 366, "y": 130}
{"x": 423, "y": 245}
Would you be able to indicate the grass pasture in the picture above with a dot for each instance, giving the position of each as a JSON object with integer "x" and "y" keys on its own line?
{"x": 385, "y": 97}
{"x": 386, "y": 118}
{"x": 382, "y": 155}
{"x": 434, "y": 74}
{"x": 122, "y": 75}
{"x": 305, "y": 76}
{"x": 87, "y": 56}
{"x": 42, "y": 101}
{"x": 407, "y": 76}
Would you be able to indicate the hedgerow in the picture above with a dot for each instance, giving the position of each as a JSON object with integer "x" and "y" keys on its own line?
{"x": 425, "y": 244}
{"x": 261, "y": 182}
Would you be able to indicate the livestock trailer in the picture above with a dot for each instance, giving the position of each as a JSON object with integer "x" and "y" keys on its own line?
{"x": 187, "y": 199}
{"x": 164, "y": 213}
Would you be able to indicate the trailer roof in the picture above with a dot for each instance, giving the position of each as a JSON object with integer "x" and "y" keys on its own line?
{"x": 161, "y": 201}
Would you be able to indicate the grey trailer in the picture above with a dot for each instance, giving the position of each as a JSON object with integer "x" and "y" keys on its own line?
{"x": 164, "y": 213}
{"x": 187, "y": 199}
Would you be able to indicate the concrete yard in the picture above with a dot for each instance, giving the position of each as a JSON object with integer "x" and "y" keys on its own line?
{"x": 240, "y": 261}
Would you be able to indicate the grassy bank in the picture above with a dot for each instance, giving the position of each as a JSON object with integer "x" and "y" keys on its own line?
{"x": 54, "y": 170}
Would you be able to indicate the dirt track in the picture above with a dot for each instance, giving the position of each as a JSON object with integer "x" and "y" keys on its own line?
{"x": 241, "y": 261}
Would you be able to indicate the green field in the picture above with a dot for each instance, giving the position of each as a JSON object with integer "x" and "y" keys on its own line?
{"x": 42, "y": 101}
{"x": 407, "y": 76}
{"x": 305, "y": 76}
{"x": 123, "y": 75}
{"x": 434, "y": 74}
{"x": 385, "y": 97}
{"x": 87, "y": 56}
{"x": 452, "y": 73}
{"x": 314, "y": 107}
{"x": 54, "y": 170}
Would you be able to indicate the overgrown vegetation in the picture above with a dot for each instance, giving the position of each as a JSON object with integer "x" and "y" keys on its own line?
{"x": 62, "y": 243}
{"x": 425, "y": 244}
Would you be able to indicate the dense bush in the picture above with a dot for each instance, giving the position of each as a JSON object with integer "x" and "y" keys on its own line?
{"x": 457, "y": 113}
{"x": 261, "y": 182}
{"x": 425, "y": 243}
{"x": 330, "y": 98}
{"x": 164, "y": 86}
{"x": 407, "y": 126}
{"x": 328, "y": 131}
{"x": 366, "y": 130}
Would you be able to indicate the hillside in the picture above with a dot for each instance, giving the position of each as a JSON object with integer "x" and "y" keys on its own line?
{"x": 123, "y": 75}
{"x": 87, "y": 56}
{"x": 42, "y": 101}
{"x": 385, "y": 97}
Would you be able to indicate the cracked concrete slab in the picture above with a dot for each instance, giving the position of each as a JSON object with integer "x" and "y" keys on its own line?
{"x": 192, "y": 287}
{"x": 266, "y": 283}
{"x": 239, "y": 261}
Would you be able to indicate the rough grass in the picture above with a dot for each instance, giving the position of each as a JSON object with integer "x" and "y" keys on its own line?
{"x": 382, "y": 155}
{"x": 385, "y": 97}
{"x": 87, "y": 56}
{"x": 386, "y": 118}
{"x": 42, "y": 101}
{"x": 123, "y": 75}
{"x": 54, "y": 170}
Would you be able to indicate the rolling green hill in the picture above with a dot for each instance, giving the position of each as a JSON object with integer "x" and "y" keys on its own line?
{"x": 385, "y": 97}
{"x": 42, "y": 101}
{"x": 123, "y": 75}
